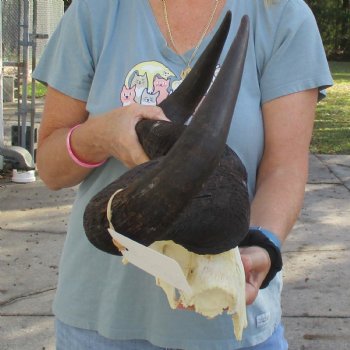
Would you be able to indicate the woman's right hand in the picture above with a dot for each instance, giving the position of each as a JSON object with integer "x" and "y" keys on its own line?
{"x": 256, "y": 262}
{"x": 110, "y": 134}
{"x": 120, "y": 138}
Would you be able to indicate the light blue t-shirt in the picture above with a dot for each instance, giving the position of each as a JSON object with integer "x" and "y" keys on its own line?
{"x": 111, "y": 53}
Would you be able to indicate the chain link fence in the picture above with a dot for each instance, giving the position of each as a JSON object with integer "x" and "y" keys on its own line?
{"x": 26, "y": 27}
{"x": 48, "y": 14}
{"x": 10, "y": 28}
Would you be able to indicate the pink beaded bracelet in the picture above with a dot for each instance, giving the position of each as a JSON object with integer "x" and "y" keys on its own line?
{"x": 75, "y": 159}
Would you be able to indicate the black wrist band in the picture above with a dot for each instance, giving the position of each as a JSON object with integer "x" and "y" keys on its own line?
{"x": 256, "y": 238}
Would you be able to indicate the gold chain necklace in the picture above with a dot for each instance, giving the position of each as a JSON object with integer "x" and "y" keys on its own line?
{"x": 187, "y": 69}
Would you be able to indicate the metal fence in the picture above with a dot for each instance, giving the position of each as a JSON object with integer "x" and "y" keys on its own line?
{"x": 26, "y": 28}
{"x": 43, "y": 14}
{"x": 10, "y": 30}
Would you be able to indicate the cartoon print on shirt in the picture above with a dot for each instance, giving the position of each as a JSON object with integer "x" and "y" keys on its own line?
{"x": 127, "y": 96}
{"x": 140, "y": 82}
{"x": 148, "y": 83}
{"x": 161, "y": 85}
{"x": 149, "y": 98}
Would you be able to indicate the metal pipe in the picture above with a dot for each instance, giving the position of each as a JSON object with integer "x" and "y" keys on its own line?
{"x": 19, "y": 71}
{"x": 25, "y": 45}
{"x": 32, "y": 107}
{"x": 1, "y": 93}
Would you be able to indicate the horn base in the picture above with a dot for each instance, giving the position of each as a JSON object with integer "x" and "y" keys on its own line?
{"x": 214, "y": 221}
{"x": 157, "y": 137}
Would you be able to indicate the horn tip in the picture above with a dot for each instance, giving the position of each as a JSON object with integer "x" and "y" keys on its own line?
{"x": 228, "y": 15}
{"x": 245, "y": 20}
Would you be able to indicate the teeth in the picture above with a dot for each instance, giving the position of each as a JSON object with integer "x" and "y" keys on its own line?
{"x": 217, "y": 282}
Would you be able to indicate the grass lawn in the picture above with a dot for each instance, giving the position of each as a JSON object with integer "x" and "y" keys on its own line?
{"x": 332, "y": 126}
{"x": 40, "y": 89}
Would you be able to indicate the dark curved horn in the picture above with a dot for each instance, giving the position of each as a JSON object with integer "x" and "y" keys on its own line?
{"x": 149, "y": 203}
{"x": 212, "y": 121}
{"x": 157, "y": 137}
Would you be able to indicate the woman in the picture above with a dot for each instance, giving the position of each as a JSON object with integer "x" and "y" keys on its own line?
{"x": 107, "y": 61}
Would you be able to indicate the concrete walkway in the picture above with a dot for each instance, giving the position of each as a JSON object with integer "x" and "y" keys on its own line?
{"x": 316, "y": 295}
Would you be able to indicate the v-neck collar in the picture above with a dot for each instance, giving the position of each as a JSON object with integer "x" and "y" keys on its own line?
{"x": 167, "y": 51}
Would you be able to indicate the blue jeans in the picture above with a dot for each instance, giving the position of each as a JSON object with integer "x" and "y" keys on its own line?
{"x": 71, "y": 338}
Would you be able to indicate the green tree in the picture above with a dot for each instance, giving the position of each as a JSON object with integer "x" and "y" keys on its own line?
{"x": 333, "y": 18}
{"x": 66, "y": 4}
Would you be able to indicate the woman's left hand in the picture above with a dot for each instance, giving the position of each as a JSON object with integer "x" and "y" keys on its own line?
{"x": 256, "y": 263}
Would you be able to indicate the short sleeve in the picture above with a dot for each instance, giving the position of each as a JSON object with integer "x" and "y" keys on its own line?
{"x": 298, "y": 61}
{"x": 67, "y": 63}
